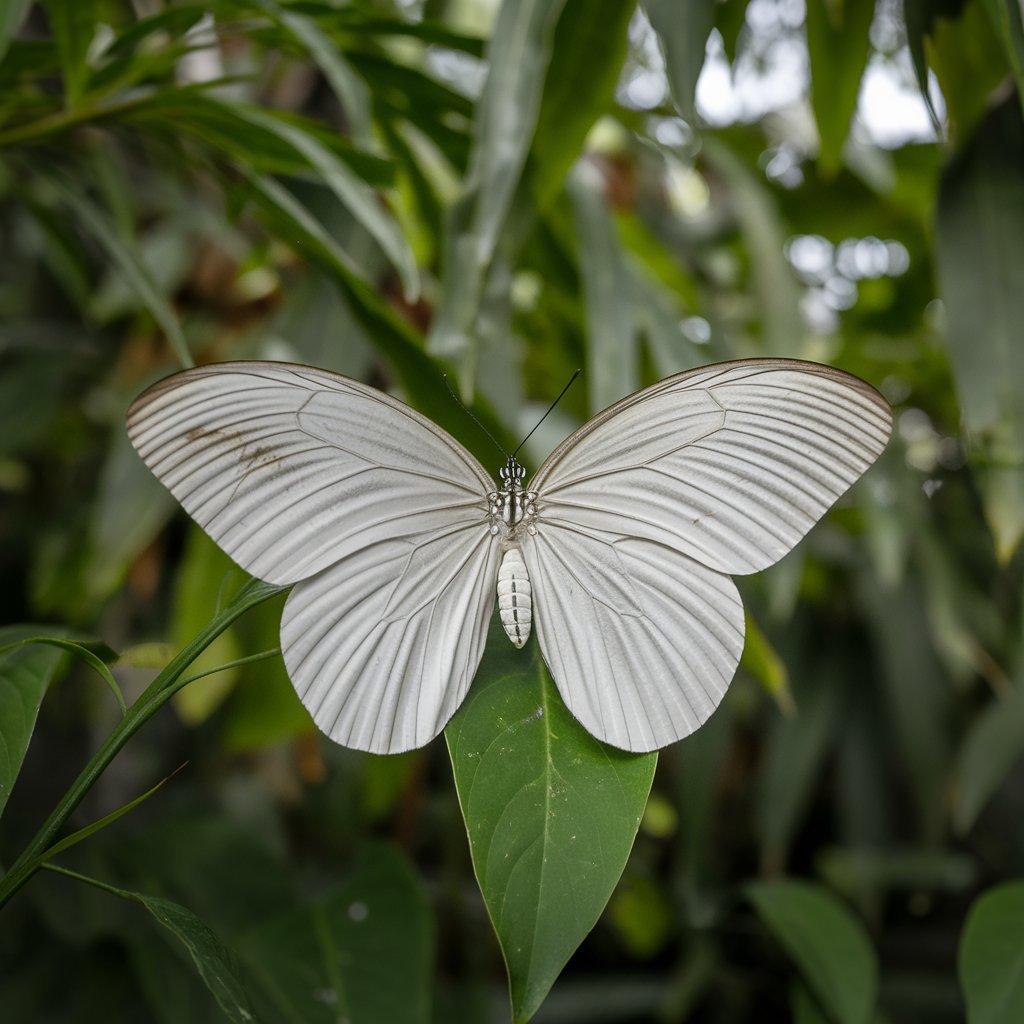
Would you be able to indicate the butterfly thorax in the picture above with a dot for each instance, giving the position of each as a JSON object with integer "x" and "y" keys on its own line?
{"x": 511, "y": 506}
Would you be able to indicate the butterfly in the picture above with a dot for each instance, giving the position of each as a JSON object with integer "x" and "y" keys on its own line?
{"x": 618, "y": 552}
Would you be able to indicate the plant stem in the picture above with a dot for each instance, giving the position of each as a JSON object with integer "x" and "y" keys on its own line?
{"x": 153, "y": 698}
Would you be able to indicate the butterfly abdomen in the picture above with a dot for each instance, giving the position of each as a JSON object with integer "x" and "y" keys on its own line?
{"x": 515, "y": 599}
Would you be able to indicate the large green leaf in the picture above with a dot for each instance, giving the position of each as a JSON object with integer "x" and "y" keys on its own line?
{"x": 363, "y": 953}
{"x": 828, "y": 944}
{"x": 980, "y": 250}
{"x": 839, "y": 43}
{"x": 25, "y": 675}
{"x": 991, "y": 957}
{"x": 551, "y": 814}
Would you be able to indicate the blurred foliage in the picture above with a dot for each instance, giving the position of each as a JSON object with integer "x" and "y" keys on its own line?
{"x": 507, "y": 191}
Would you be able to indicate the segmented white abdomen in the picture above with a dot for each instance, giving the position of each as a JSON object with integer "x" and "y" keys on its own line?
{"x": 515, "y": 603}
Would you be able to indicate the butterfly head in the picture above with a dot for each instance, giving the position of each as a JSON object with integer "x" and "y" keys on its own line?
{"x": 512, "y": 475}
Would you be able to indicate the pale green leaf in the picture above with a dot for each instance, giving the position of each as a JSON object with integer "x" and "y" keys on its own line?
{"x": 518, "y": 54}
{"x": 683, "y": 30}
{"x": 607, "y": 294}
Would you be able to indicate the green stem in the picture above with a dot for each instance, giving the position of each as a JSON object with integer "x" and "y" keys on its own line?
{"x": 163, "y": 687}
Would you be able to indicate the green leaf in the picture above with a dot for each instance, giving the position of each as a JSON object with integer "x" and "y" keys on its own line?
{"x": 839, "y": 42}
{"x": 506, "y": 116}
{"x": 796, "y": 749}
{"x": 550, "y": 811}
{"x": 212, "y": 959}
{"x": 589, "y": 49}
{"x": 82, "y": 653}
{"x": 970, "y": 64}
{"x": 350, "y": 89}
{"x": 129, "y": 509}
{"x": 762, "y": 661}
{"x": 73, "y": 25}
{"x": 1008, "y": 20}
{"x": 991, "y": 956}
{"x": 25, "y": 675}
{"x": 97, "y": 223}
{"x": 607, "y": 294}
{"x": 11, "y": 14}
{"x": 683, "y": 30}
{"x": 363, "y": 952}
{"x": 993, "y": 745}
{"x": 917, "y": 17}
{"x": 97, "y": 826}
{"x": 774, "y": 283}
{"x": 979, "y": 248}
{"x": 361, "y": 200}
{"x": 827, "y": 943}
{"x": 203, "y": 573}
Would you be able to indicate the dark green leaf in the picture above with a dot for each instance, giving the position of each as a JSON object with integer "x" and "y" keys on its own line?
{"x": 361, "y": 953}
{"x": 588, "y": 51}
{"x": 991, "y": 957}
{"x": 993, "y": 745}
{"x": 683, "y": 29}
{"x": 212, "y": 959}
{"x": 25, "y": 675}
{"x": 838, "y": 41}
{"x": 73, "y": 25}
{"x": 1008, "y": 19}
{"x": 550, "y": 811}
{"x": 828, "y": 945}
{"x": 96, "y": 222}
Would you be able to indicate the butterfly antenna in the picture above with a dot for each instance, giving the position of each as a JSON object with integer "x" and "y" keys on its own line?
{"x": 472, "y": 415}
{"x": 548, "y": 413}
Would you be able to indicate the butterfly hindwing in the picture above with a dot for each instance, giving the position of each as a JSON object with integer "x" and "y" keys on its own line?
{"x": 641, "y": 640}
{"x": 382, "y": 646}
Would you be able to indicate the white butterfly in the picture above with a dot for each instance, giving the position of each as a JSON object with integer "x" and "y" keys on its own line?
{"x": 620, "y": 550}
